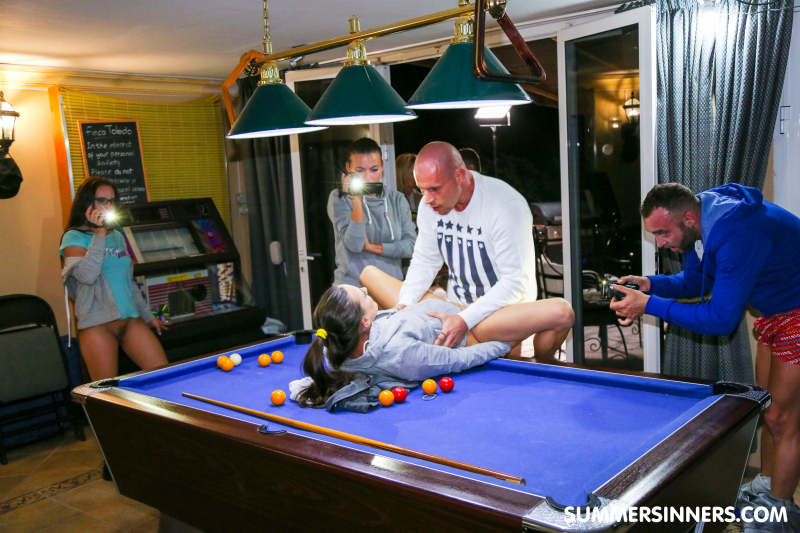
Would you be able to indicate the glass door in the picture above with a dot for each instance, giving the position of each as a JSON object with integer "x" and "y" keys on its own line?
{"x": 318, "y": 160}
{"x": 607, "y": 117}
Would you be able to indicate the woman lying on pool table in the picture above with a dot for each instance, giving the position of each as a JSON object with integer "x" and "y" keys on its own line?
{"x": 359, "y": 339}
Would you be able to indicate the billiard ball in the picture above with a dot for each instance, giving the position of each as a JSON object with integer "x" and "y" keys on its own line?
{"x": 278, "y": 397}
{"x": 446, "y": 384}
{"x": 399, "y": 394}
{"x": 220, "y": 359}
{"x": 236, "y": 358}
{"x": 264, "y": 360}
{"x": 386, "y": 398}
{"x": 227, "y": 364}
{"x": 277, "y": 357}
{"x": 429, "y": 386}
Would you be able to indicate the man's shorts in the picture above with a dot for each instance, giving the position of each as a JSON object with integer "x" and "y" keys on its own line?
{"x": 781, "y": 333}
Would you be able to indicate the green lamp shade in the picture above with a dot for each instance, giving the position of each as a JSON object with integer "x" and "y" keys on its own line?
{"x": 451, "y": 83}
{"x": 359, "y": 95}
{"x": 272, "y": 110}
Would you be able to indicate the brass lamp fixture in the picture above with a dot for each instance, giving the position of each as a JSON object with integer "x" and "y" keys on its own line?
{"x": 341, "y": 109}
{"x": 359, "y": 94}
{"x": 8, "y": 120}
{"x": 451, "y": 84}
{"x": 273, "y": 109}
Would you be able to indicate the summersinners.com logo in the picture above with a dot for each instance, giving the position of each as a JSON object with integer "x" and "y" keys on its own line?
{"x": 616, "y": 514}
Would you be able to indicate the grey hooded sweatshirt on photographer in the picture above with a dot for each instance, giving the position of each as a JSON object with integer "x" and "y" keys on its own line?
{"x": 387, "y": 221}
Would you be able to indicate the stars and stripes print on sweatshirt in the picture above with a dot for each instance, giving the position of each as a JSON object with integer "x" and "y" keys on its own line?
{"x": 464, "y": 251}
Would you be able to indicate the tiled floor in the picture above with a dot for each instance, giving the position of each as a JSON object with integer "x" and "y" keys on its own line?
{"x": 56, "y": 486}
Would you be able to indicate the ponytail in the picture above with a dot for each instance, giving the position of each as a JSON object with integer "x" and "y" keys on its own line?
{"x": 341, "y": 319}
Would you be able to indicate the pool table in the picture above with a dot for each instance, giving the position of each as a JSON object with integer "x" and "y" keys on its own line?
{"x": 577, "y": 436}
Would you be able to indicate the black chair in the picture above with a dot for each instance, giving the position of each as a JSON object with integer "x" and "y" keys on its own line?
{"x": 34, "y": 367}
{"x": 550, "y": 283}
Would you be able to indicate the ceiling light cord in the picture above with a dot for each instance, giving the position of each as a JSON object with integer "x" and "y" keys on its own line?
{"x": 267, "y": 44}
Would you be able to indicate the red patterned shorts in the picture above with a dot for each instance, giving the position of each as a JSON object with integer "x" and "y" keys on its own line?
{"x": 781, "y": 333}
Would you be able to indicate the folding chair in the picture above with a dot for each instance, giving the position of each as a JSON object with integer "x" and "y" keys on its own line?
{"x": 34, "y": 367}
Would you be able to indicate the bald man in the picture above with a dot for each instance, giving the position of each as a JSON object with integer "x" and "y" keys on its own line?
{"x": 482, "y": 228}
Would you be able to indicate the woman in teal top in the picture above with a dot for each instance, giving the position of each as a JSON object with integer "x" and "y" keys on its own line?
{"x": 98, "y": 275}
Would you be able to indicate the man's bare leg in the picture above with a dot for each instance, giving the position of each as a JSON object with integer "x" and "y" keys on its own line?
{"x": 783, "y": 421}
{"x": 763, "y": 360}
{"x": 550, "y": 320}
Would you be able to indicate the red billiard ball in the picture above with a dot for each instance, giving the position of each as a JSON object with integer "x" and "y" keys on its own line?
{"x": 446, "y": 384}
{"x": 399, "y": 394}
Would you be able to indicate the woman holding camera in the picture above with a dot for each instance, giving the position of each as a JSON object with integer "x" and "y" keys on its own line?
{"x": 98, "y": 276}
{"x": 371, "y": 225}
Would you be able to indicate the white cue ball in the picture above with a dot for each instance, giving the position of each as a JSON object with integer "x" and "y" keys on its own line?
{"x": 236, "y": 358}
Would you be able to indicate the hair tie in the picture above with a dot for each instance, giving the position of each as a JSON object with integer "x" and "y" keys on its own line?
{"x": 322, "y": 333}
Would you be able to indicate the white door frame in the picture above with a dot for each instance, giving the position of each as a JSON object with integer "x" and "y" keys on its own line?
{"x": 292, "y": 77}
{"x": 645, "y": 18}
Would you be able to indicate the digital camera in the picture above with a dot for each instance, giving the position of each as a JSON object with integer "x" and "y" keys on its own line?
{"x": 607, "y": 290}
{"x": 358, "y": 187}
{"x": 110, "y": 221}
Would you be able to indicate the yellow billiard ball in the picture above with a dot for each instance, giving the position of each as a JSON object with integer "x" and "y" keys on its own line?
{"x": 429, "y": 386}
{"x": 264, "y": 360}
{"x": 277, "y": 357}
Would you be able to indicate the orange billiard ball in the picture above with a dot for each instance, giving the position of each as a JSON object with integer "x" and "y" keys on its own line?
{"x": 277, "y": 357}
{"x": 278, "y": 397}
{"x": 220, "y": 359}
{"x": 429, "y": 386}
{"x": 264, "y": 360}
{"x": 226, "y": 364}
{"x": 386, "y": 398}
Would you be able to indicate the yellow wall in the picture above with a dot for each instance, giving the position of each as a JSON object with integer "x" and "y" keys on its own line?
{"x": 31, "y": 222}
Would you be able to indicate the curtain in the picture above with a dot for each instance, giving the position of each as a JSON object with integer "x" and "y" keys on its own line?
{"x": 270, "y": 213}
{"x": 720, "y": 72}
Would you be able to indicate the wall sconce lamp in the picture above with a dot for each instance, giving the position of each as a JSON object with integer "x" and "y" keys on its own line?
{"x": 631, "y": 107}
{"x": 10, "y": 175}
{"x": 8, "y": 120}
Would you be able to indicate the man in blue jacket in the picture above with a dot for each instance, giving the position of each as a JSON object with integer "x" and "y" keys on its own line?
{"x": 742, "y": 249}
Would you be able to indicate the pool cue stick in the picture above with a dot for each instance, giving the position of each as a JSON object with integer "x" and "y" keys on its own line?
{"x": 362, "y": 440}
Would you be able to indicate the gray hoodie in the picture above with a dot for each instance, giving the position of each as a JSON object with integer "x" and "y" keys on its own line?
{"x": 387, "y": 221}
{"x": 86, "y": 284}
{"x": 401, "y": 345}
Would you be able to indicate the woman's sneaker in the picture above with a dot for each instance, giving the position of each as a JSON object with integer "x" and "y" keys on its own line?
{"x": 783, "y": 515}
{"x": 749, "y": 491}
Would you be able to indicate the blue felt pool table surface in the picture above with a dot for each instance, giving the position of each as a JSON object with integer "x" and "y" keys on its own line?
{"x": 567, "y": 431}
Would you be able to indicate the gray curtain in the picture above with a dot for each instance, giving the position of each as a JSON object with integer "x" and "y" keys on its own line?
{"x": 720, "y": 74}
{"x": 270, "y": 206}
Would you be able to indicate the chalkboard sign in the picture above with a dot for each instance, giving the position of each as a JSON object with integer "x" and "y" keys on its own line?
{"x": 112, "y": 149}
